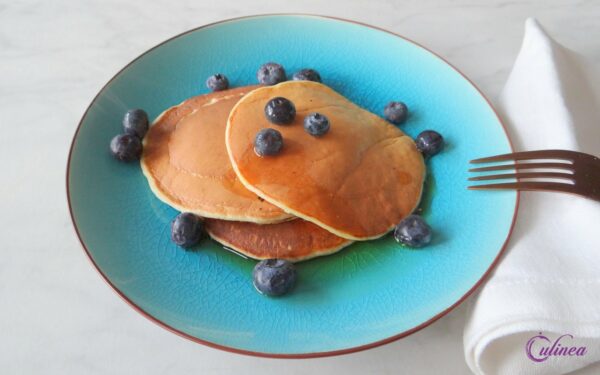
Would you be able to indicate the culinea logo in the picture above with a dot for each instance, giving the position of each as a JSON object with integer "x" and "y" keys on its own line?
{"x": 539, "y": 348}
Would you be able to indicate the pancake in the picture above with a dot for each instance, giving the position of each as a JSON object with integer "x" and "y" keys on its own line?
{"x": 357, "y": 181}
{"x": 293, "y": 240}
{"x": 187, "y": 167}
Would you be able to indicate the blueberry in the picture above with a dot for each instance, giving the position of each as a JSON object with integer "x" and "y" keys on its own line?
{"x": 413, "y": 231}
{"x": 186, "y": 229}
{"x": 280, "y": 111}
{"x": 268, "y": 142}
{"x": 126, "y": 147}
{"x": 429, "y": 142}
{"x": 135, "y": 122}
{"x": 307, "y": 75}
{"x": 396, "y": 112}
{"x": 316, "y": 124}
{"x": 270, "y": 74}
{"x": 217, "y": 82}
{"x": 274, "y": 277}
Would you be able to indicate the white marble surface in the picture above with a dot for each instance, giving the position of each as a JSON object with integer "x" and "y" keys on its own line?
{"x": 56, "y": 314}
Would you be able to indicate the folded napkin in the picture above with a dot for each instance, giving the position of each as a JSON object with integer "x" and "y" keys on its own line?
{"x": 548, "y": 283}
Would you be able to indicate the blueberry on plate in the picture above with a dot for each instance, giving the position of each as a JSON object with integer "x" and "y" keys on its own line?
{"x": 187, "y": 229}
{"x": 396, "y": 112}
{"x": 126, "y": 147}
{"x": 274, "y": 277}
{"x": 270, "y": 74}
{"x": 413, "y": 231}
{"x": 135, "y": 122}
{"x": 316, "y": 124}
{"x": 307, "y": 75}
{"x": 217, "y": 82}
{"x": 429, "y": 142}
{"x": 268, "y": 142}
{"x": 280, "y": 111}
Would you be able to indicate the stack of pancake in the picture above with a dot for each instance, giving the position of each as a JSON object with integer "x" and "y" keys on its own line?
{"x": 314, "y": 198}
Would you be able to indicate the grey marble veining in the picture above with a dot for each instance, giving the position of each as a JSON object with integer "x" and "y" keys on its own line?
{"x": 56, "y": 314}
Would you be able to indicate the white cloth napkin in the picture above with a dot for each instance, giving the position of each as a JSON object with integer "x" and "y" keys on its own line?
{"x": 549, "y": 279}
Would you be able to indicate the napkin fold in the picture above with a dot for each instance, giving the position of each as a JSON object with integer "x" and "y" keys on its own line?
{"x": 548, "y": 283}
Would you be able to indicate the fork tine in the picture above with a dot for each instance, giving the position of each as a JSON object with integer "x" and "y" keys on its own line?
{"x": 528, "y": 155}
{"x": 566, "y": 176}
{"x": 502, "y": 167}
{"x": 528, "y": 185}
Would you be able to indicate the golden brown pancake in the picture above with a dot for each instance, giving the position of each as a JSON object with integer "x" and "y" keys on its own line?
{"x": 294, "y": 240}
{"x": 187, "y": 167}
{"x": 357, "y": 181}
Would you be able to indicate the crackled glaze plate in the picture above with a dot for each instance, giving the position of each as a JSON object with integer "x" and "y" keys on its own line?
{"x": 369, "y": 294}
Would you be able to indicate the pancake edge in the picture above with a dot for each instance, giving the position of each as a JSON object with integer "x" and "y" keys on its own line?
{"x": 321, "y": 253}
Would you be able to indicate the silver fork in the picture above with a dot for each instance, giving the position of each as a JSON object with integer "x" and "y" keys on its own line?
{"x": 582, "y": 172}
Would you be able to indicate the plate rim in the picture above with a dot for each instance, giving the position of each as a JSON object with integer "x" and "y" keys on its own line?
{"x": 307, "y": 355}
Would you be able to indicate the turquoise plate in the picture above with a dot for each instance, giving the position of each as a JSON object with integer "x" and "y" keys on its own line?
{"x": 368, "y": 294}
